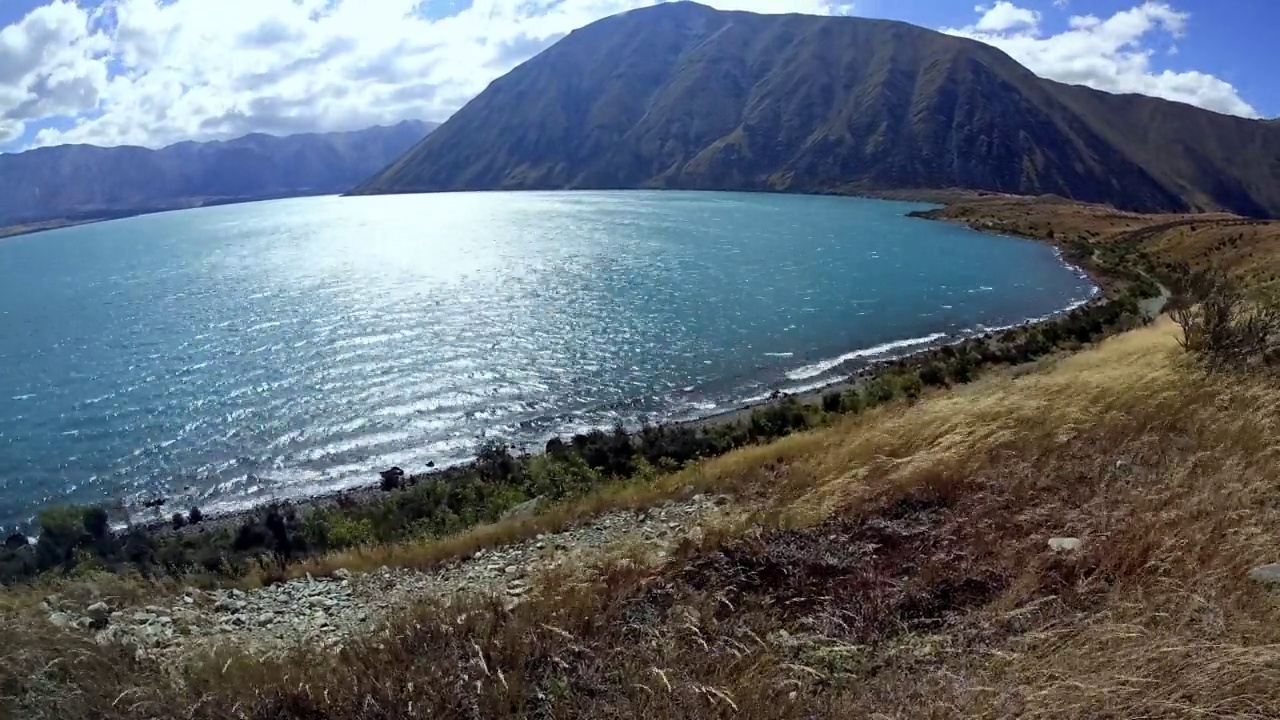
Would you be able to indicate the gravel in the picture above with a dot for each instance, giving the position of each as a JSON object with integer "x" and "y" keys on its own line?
{"x": 329, "y": 611}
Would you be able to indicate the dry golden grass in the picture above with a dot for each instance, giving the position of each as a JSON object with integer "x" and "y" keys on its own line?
{"x": 1037, "y": 216}
{"x": 1246, "y": 247}
{"x": 1175, "y": 627}
{"x": 1249, "y": 250}
{"x": 909, "y": 570}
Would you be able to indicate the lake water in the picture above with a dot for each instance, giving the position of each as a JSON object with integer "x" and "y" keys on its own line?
{"x": 277, "y": 348}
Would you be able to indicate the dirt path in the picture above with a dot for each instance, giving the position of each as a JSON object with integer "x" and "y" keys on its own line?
{"x": 1152, "y": 307}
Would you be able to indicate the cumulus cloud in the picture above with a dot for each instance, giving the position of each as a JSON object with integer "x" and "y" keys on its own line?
{"x": 1113, "y": 54}
{"x": 153, "y": 72}
{"x": 52, "y": 63}
{"x": 1005, "y": 16}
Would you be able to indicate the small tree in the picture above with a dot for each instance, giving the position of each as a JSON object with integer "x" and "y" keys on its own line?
{"x": 96, "y": 522}
{"x": 832, "y": 402}
{"x": 62, "y": 530}
{"x": 1220, "y": 325}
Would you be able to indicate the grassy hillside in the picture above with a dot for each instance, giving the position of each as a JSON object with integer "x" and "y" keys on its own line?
{"x": 1247, "y": 247}
{"x": 896, "y": 564}
{"x": 683, "y": 96}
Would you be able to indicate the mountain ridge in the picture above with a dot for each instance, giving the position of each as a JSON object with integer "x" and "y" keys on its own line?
{"x": 83, "y": 182}
{"x": 683, "y": 96}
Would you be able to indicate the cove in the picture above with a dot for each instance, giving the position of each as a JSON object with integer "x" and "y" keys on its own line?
{"x": 225, "y": 356}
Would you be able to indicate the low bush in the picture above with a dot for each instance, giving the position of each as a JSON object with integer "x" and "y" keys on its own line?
{"x": 832, "y": 402}
{"x": 1221, "y": 325}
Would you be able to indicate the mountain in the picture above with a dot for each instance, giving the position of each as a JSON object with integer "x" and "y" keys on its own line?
{"x": 683, "y": 96}
{"x": 70, "y": 182}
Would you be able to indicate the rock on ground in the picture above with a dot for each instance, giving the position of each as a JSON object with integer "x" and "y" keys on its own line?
{"x": 1266, "y": 574}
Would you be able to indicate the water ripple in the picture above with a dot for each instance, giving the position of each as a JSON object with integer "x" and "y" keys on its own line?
{"x": 273, "y": 349}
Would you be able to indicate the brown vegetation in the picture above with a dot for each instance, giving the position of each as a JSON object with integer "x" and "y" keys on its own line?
{"x": 897, "y": 566}
{"x": 1247, "y": 248}
{"x": 1222, "y": 326}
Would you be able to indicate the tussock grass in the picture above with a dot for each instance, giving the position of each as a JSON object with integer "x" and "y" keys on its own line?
{"x": 897, "y": 566}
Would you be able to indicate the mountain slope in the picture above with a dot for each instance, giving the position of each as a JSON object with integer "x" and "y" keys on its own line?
{"x": 84, "y": 181}
{"x": 683, "y": 96}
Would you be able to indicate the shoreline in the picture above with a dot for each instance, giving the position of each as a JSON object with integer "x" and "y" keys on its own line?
{"x": 856, "y": 379}
{"x": 925, "y": 196}
{"x": 369, "y": 490}
{"x": 1108, "y": 282}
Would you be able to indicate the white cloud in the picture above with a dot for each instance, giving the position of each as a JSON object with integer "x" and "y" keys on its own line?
{"x": 152, "y": 72}
{"x": 1112, "y": 54}
{"x": 51, "y": 63}
{"x": 1005, "y": 16}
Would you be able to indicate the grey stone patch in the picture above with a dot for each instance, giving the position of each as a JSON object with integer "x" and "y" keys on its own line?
{"x": 526, "y": 509}
{"x": 1064, "y": 544}
{"x": 331, "y": 610}
{"x": 1268, "y": 574}
{"x": 61, "y": 620}
{"x": 98, "y": 616}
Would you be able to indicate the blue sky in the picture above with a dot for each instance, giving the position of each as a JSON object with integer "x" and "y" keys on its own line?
{"x": 153, "y": 72}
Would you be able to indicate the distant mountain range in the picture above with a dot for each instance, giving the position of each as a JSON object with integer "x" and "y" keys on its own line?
{"x": 683, "y": 96}
{"x": 81, "y": 182}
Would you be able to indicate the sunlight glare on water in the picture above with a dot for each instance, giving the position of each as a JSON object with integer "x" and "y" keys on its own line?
{"x": 279, "y": 348}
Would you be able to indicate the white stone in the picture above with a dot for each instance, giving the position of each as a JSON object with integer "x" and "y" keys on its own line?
{"x": 1064, "y": 544}
{"x": 1266, "y": 574}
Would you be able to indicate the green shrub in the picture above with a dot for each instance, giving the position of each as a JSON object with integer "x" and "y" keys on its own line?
{"x": 832, "y": 402}
{"x": 932, "y": 375}
{"x": 962, "y": 369}
{"x": 777, "y": 420}
{"x": 560, "y": 477}
{"x": 909, "y": 385}
{"x": 851, "y": 402}
{"x": 878, "y": 391}
{"x": 348, "y": 532}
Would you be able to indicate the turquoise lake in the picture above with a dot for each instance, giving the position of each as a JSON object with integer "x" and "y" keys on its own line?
{"x": 224, "y": 356}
